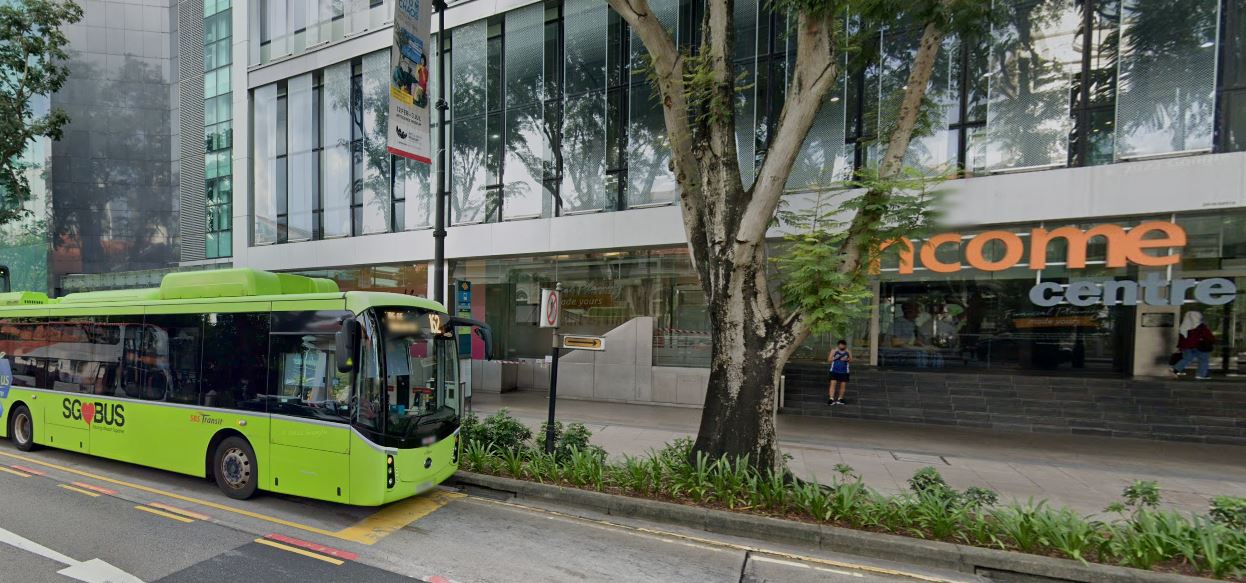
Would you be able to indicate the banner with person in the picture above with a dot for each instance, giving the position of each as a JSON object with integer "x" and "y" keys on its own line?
{"x": 409, "y": 100}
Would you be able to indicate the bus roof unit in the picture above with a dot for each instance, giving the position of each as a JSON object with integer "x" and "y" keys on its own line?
{"x": 190, "y": 285}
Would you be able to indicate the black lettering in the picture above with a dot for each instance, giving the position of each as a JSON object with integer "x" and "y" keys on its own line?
{"x": 66, "y": 410}
{"x": 118, "y": 413}
{"x": 99, "y": 413}
{"x": 77, "y": 410}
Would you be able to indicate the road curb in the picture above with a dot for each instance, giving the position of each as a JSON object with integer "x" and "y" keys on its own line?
{"x": 1003, "y": 566}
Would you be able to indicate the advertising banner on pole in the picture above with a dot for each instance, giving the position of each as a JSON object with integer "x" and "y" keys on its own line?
{"x": 409, "y": 102}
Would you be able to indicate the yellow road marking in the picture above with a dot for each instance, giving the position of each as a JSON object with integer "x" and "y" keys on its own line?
{"x": 168, "y": 515}
{"x": 176, "y": 510}
{"x": 79, "y": 490}
{"x": 14, "y": 472}
{"x": 159, "y": 492}
{"x": 722, "y": 544}
{"x": 396, "y": 516}
{"x": 299, "y": 551}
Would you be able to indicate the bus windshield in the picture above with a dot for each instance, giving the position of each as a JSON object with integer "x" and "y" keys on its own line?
{"x": 420, "y": 376}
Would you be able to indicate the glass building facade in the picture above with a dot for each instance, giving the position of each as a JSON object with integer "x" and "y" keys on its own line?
{"x": 218, "y": 130}
{"x": 551, "y": 115}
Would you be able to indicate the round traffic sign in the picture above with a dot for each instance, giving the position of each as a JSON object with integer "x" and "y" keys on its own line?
{"x": 551, "y": 309}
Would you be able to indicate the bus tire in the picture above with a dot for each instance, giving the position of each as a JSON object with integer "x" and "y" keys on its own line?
{"x": 22, "y": 428}
{"x": 234, "y": 467}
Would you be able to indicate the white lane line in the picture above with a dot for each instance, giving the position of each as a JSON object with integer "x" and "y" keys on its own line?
{"x": 764, "y": 559}
{"x": 93, "y": 571}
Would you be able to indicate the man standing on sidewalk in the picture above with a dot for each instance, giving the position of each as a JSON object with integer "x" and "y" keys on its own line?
{"x": 839, "y": 359}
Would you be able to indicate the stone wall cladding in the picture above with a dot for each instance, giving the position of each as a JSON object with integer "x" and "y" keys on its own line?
{"x": 1170, "y": 410}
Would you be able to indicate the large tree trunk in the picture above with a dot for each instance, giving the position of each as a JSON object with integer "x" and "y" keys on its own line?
{"x": 745, "y": 366}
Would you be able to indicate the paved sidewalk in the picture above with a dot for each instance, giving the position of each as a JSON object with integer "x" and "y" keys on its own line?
{"x": 1084, "y": 473}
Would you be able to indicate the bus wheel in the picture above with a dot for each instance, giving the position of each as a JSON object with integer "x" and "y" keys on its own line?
{"x": 23, "y": 429}
{"x": 235, "y": 469}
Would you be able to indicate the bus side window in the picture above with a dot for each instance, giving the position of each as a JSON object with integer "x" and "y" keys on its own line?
{"x": 305, "y": 378}
{"x": 235, "y": 361}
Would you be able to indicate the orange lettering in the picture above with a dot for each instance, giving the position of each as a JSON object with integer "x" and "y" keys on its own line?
{"x": 1076, "y": 242}
{"x": 1013, "y": 250}
{"x": 931, "y": 248}
{"x": 906, "y": 255}
{"x": 1172, "y": 236}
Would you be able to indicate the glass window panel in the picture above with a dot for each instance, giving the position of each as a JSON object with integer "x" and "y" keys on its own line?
{"x": 526, "y": 144}
{"x": 824, "y": 158}
{"x": 417, "y": 184}
{"x": 649, "y": 178}
{"x": 301, "y": 193}
{"x": 376, "y": 195}
{"x": 467, "y": 166}
{"x": 525, "y": 44}
{"x": 1167, "y": 78}
{"x": 265, "y": 164}
{"x": 583, "y": 144}
{"x": 298, "y": 15}
{"x": 1033, "y": 57}
{"x": 335, "y": 167}
{"x": 468, "y": 70}
{"x": 585, "y": 32}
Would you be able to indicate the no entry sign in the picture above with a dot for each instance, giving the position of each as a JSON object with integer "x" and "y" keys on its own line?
{"x": 551, "y": 308}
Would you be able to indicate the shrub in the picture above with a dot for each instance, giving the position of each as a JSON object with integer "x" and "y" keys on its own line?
{"x": 574, "y": 437}
{"x": 504, "y": 433}
{"x": 1229, "y": 511}
{"x": 1142, "y": 494}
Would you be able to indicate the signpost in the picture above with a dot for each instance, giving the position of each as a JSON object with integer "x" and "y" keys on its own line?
{"x": 551, "y": 317}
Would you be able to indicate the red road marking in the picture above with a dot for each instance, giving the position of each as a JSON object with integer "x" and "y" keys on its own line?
{"x": 96, "y": 489}
{"x": 332, "y": 552}
{"x": 28, "y": 470}
{"x": 438, "y": 579}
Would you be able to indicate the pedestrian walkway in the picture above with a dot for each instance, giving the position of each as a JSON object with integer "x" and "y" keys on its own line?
{"x": 1083, "y": 473}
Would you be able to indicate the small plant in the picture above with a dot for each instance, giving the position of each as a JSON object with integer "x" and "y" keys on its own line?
{"x": 975, "y": 497}
{"x": 478, "y": 457}
{"x": 1229, "y": 511}
{"x": 1019, "y": 526}
{"x": 1069, "y": 533}
{"x": 574, "y": 436}
{"x": 928, "y": 479}
{"x": 1142, "y": 494}
{"x": 513, "y": 462}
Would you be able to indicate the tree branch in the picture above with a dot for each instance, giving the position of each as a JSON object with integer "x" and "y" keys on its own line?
{"x": 872, "y": 207}
{"x": 668, "y": 72}
{"x": 812, "y": 77}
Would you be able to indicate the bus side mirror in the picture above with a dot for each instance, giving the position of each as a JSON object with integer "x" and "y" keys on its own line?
{"x": 482, "y": 329}
{"x": 347, "y": 344}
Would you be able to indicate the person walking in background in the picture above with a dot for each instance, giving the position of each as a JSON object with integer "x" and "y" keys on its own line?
{"x": 1196, "y": 343}
{"x": 839, "y": 359}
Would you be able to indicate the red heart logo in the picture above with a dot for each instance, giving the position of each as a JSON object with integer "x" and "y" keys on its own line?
{"x": 88, "y": 413}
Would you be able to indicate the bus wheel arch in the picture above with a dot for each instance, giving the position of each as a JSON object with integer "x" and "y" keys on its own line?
{"x": 17, "y": 410}
{"x": 230, "y": 448}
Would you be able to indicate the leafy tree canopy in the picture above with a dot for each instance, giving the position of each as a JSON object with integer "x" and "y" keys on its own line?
{"x": 32, "y": 64}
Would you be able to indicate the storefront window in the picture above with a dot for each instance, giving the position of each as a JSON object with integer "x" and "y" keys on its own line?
{"x": 601, "y": 292}
{"x": 403, "y": 279}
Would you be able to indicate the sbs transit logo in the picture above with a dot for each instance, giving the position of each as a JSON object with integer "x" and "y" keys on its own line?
{"x": 104, "y": 415}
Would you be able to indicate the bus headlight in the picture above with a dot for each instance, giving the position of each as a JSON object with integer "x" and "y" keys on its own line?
{"x": 389, "y": 471}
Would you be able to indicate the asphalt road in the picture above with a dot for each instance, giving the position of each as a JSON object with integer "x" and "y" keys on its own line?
{"x": 68, "y": 517}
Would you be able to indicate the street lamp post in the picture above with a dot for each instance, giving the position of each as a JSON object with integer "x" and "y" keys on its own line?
{"x": 439, "y": 182}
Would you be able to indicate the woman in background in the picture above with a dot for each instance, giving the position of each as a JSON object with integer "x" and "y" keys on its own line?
{"x": 1195, "y": 342}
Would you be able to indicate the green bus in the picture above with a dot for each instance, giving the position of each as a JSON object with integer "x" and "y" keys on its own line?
{"x": 257, "y": 380}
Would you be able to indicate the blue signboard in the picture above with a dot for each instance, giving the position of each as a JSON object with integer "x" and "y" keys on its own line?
{"x": 463, "y": 307}
{"x": 6, "y": 377}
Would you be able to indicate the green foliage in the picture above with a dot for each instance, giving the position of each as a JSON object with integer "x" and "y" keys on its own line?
{"x": 32, "y": 56}
{"x": 1142, "y": 536}
{"x": 503, "y": 432}
{"x": 1229, "y": 511}
{"x": 816, "y": 279}
{"x": 573, "y": 437}
{"x": 1142, "y": 494}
